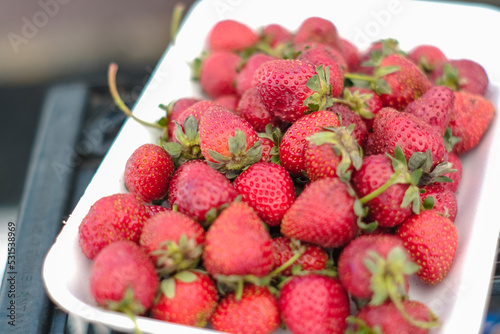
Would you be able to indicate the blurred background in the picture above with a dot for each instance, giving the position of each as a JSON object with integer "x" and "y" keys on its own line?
{"x": 48, "y": 42}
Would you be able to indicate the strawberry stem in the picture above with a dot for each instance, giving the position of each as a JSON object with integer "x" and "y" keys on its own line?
{"x": 288, "y": 263}
{"x": 381, "y": 189}
{"x": 113, "y": 69}
{"x": 176, "y": 21}
{"x": 359, "y": 76}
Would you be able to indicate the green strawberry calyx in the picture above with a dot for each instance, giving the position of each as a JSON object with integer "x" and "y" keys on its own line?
{"x": 175, "y": 256}
{"x": 240, "y": 157}
{"x": 168, "y": 285}
{"x": 322, "y": 87}
{"x": 275, "y": 135}
{"x": 128, "y": 305}
{"x": 188, "y": 145}
{"x": 357, "y": 102}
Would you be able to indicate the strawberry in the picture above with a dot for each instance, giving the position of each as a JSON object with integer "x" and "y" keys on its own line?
{"x": 268, "y": 189}
{"x": 148, "y": 171}
{"x": 319, "y": 30}
{"x": 314, "y": 304}
{"x": 197, "y": 110}
{"x": 322, "y": 214}
{"x": 231, "y": 35}
{"x": 267, "y": 147}
{"x": 111, "y": 218}
{"x": 456, "y": 177}
{"x": 218, "y": 73}
{"x": 406, "y": 84}
{"x": 463, "y": 75}
{"x": 364, "y": 102}
{"x": 245, "y": 77}
{"x": 388, "y": 319}
{"x": 254, "y": 312}
{"x": 229, "y": 102}
{"x": 123, "y": 278}
{"x": 427, "y": 57}
{"x": 443, "y": 199}
{"x": 313, "y": 258}
{"x": 175, "y": 109}
{"x": 198, "y": 190}
{"x": 470, "y": 118}
{"x": 227, "y": 141}
{"x": 251, "y": 108}
{"x": 350, "y": 53}
{"x": 434, "y": 107}
{"x": 154, "y": 209}
{"x": 294, "y": 143}
{"x": 348, "y": 117}
{"x": 321, "y": 161}
{"x": 370, "y": 266}
{"x": 284, "y": 89}
{"x": 187, "y": 298}
{"x": 276, "y": 35}
{"x": 385, "y": 207}
{"x": 237, "y": 243}
{"x": 392, "y": 128}
{"x": 173, "y": 240}
{"x": 431, "y": 239}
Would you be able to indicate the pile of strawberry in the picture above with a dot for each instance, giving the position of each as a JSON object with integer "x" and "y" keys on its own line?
{"x": 313, "y": 175}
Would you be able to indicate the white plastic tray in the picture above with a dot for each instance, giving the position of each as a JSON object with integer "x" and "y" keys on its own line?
{"x": 461, "y": 299}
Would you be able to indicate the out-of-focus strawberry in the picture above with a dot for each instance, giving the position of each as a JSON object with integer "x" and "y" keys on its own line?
{"x": 251, "y": 108}
{"x": 427, "y": 57}
{"x": 319, "y": 30}
{"x": 218, "y": 73}
{"x": 463, "y": 75}
{"x": 231, "y": 35}
{"x": 245, "y": 77}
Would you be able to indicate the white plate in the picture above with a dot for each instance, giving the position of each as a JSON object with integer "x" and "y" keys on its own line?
{"x": 461, "y": 299}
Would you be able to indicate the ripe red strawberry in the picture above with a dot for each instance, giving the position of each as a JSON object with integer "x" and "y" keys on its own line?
{"x": 389, "y": 320}
{"x": 319, "y": 54}
{"x": 385, "y": 208}
{"x": 187, "y": 298}
{"x": 148, "y": 171}
{"x": 218, "y": 73}
{"x": 294, "y": 143}
{"x": 267, "y": 145}
{"x": 197, "y": 190}
{"x": 268, "y": 189}
{"x": 154, "y": 209}
{"x": 456, "y": 177}
{"x": 434, "y": 107}
{"x": 350, "y": 53}
{"x": 392, "y": 128}
{"x": 314, "y": 304}
{"x": 348, "y": 117}
{"x": 437, "y": 235}
{"x": 322, "y": 214}
{"x": 282, "y": 85}
{"x": 251, "y": 108}
{"x": 321, "y": 161}
{"x": 427, "y": 57}
{"x": 123, "y": 278}
{"x": 313, "y": 258}
{"x": 245, "y": 77}
{"x": 256, "y": 312}
{"x": 390, "y": 262}
{"x": 362, "y": 100}
{"x": 197, "y": 110}
{"x": 319, "y": 30}
{"x": 230, "y": 35}
{"x": 229, "y": 102}
{"x": 406, "y": 84}
{"x": 174, "y": 110}
{"x": 227, "y": 141}
{"x": 463, "y": 75}
{"x": 276, "y": 35}
{"x": 444, "y": 199}
{"x": 237, "y": 243}
{"x": 173, "y": 240}
{"x": 111, "y": 218}
{"x": 470, "y": 118}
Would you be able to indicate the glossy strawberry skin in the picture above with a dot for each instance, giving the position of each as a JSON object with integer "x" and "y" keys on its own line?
{"x": 255, "y": 313}
{"x": 407, "y": 84}
{"x": 251, "y": 108}
{"x": 431, "y": 239}
{"x": 119, "y": 266}
{"x": 386, "y": 207}
{"x": 314, "y": 304}
{"x": 313, "y": 258}
{"x": 321, "y": 161}
{"x": 353, "y": 274}
{"x": 216, "y": 126}
{"x": 148, "y": 171}
{"x": 177, "y": 109}
{"x": 237, "y": 243}
{"x": 193, "y": 303}
{"x": 294, "y": 143}
{"x": 268, "y": 189}
{"x": 391, "y": 128}
{"x": 322, "y": 214}
{"x": 390, "y": 320}
{"x": 434, "y": 107}
{"x": 470, "y": 118}
{"x": 196, "y": 188}
{"x": 282, "y": 87}
{"x": 111, "y": 218}
{"x": 245, "y": 78}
